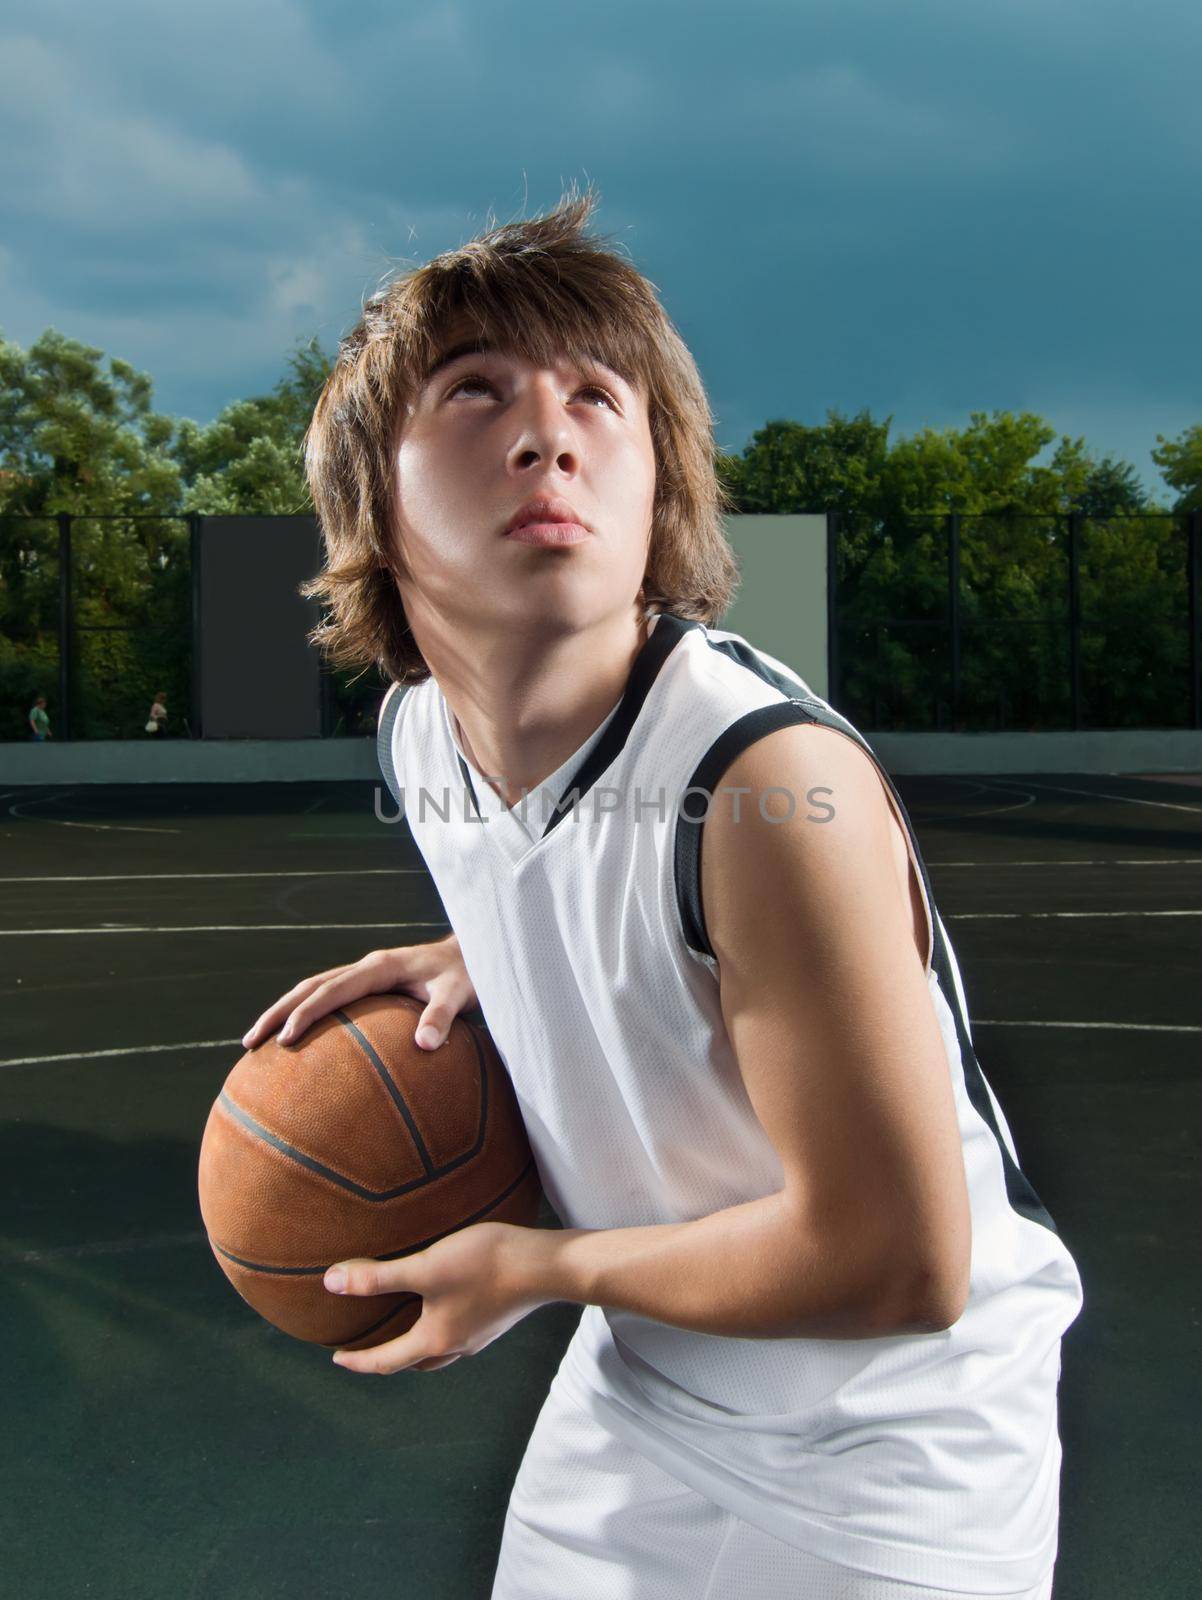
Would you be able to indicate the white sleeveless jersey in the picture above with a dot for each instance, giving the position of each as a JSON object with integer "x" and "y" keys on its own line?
{"x": 932, "y": 1458}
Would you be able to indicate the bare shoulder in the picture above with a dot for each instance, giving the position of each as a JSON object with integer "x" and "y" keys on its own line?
{"x": 800, "y": 831}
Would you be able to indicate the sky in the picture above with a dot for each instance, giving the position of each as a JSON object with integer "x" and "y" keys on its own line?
{"x": 922, "y": 209}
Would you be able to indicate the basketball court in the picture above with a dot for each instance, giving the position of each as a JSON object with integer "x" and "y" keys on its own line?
{"x": 162, "y": 1439}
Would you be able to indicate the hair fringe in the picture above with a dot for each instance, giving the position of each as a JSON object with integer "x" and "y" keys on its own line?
{"x": 543, "y": 287}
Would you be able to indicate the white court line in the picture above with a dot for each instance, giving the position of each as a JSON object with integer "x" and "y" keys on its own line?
{"x": 1123, "y": 861}
{"x": 125, "y": 1050}
{"x": 980, "y": 916}
{"x": 229, "y": 1044}
{"x": 1099, "y": 794}
{"x": 101, "y": 1247}
{"x": 388, "y": 872}
{"x": 57, "y": 822}
{"x": 319, "y": 927}
{"x": 1134, "y": 1027}
{"x": 216, "y": 927}
{"x": 149, "y": 877}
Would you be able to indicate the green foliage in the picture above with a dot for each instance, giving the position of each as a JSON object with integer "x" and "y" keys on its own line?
{"x": 82, "y": 436}
{"x": 250, "y": 460}
{"x": 892, "y": 568}
{"x": 76, "y": 438}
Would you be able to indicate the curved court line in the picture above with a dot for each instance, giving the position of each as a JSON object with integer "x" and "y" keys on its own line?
{"x": 980, "y": 788}
{"x": 104, "y": 827}
{"x": 57, "y": 822}
{"x": 1101, "y": 794}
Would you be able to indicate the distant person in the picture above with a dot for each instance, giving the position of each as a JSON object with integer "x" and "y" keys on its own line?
{"x": 158, "y": 714}
{"x": 39, "y": 722}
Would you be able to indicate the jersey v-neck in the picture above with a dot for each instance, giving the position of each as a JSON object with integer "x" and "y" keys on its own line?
{"x": 515, "y": 830}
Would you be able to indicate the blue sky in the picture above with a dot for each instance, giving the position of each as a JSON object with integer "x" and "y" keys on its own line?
{"x": 924, "y": 209}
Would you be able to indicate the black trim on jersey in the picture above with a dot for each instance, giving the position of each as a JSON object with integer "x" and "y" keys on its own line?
{"x": 656, "y": 648}
{"x": 467, "y": 778}
{"x": 746, "y": 657}
{"x": 389, "y": 707}
{"x": 731, "y": 743}
{"x": 669, "y": 630}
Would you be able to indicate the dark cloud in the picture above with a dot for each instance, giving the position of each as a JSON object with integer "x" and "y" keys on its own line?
{"x": 925, "y": 210}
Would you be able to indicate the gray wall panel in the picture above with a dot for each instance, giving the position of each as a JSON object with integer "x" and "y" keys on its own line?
{"x": 258, "y": 677}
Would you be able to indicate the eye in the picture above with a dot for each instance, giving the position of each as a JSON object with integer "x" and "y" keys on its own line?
{"x": 482, "y": 382}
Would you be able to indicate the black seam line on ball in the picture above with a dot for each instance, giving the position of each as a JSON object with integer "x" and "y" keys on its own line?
{"x": 403, "y": 1304}
{"x": 392, "y": 1255}
{"x": 343, "y": 1182}
{"x": 399, "y": 1100}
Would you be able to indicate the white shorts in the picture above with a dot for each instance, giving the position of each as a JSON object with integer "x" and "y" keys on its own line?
{"x": 590, "y": 1518}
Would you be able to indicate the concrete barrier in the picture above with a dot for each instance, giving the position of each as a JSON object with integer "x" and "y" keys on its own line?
{"x": 1121, "y": 750}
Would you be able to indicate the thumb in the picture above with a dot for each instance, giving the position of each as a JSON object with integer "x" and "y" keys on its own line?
{"x": 433, "y": 1025}
{"x": 362, "y": 1275}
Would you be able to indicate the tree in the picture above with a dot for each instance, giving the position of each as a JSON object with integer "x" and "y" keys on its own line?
{"x": 1180, "y": 462}
{"x": 249, "y": 460}
{"x": 76, "y": 438}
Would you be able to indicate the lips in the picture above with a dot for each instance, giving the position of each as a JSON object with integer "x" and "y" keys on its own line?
{"x": 543, "y": 509}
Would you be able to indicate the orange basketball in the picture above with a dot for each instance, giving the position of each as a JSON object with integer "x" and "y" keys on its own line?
{"x": 357, "y": 1142}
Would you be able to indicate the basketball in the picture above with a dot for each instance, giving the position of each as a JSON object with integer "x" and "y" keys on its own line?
{"x": 356, "y": 1142}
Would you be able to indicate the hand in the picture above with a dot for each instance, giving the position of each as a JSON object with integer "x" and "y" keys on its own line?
{"x": 432, "y": 972}
{"x": 474, "y": 1283}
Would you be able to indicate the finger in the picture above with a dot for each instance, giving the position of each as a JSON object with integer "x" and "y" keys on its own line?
{"x": 395, "y": 1355}
{"x": 352, "y": 983}
{"x": 267, "y": 1022}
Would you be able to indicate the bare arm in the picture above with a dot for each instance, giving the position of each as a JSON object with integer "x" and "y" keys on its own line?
{"x": 827, "y": 1004}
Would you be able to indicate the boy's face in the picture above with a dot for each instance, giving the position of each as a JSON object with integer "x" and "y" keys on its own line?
{"x": 470, "y": 454}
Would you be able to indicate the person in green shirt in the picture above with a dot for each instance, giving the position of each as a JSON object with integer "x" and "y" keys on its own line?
{"x": 39, "y": 722}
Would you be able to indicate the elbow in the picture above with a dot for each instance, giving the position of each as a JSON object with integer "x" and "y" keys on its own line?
{"x": 937, "y": 1302}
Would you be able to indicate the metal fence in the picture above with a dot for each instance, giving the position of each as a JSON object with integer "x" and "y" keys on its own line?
{"x": 953, "y": 622}
{"x": 102, "y": 612}
{"x": 1031, "y": 623}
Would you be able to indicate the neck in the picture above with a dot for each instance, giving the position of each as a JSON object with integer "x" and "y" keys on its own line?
{"x": 523, "y": 703}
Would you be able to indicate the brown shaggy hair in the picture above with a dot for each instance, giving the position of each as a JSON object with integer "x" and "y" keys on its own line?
{"x": 539, "y": 288}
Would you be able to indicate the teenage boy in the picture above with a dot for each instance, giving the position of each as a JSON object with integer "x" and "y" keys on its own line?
{"x": 823, "y": 1305}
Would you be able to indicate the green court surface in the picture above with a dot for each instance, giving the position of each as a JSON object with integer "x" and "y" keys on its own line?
{"x": 161, "y": 1440}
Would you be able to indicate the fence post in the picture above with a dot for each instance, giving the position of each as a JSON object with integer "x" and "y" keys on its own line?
{"x": 195, "y": 521}
{"x": 1074, "y": 614}
{"x": 953, "y": 611}
{"x": 834, "y": 692}
{"x": 327, "y": 704}
{"x": 1194, "y": 527}
{"x": 66, "y": 623}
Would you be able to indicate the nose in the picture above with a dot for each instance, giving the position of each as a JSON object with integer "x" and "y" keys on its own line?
{"x": 543, "y": 430}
